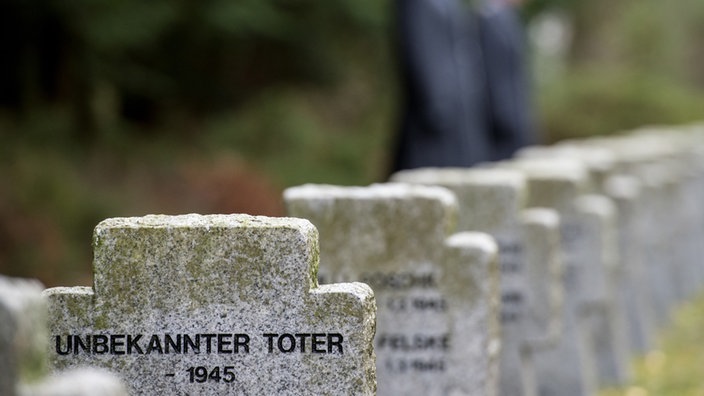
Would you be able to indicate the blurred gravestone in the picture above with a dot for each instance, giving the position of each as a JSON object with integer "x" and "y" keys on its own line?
{"x": 569, "y": 369}
{"x": 544, "y": 313}
{"x": 626, "y": 193}
{"x": 606, "y": 322}
{"x": 628, "y": 298}
{"x": 23, "y": 345}
{"x": 438, "y": 297}
{"x": 23, "y": 335}
{"x": 493, "y": 201}
{"x": 79, "y": 382}
{"x": 220, "y": 304}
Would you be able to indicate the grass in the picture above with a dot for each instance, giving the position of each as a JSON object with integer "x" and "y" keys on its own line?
{"x": 676, "y": 366}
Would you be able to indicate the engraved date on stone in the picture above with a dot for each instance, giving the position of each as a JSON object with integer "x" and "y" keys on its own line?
{"x": 201, "y": 374}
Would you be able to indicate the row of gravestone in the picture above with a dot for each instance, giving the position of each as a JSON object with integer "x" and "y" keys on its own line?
{"x": 541, "y": 275}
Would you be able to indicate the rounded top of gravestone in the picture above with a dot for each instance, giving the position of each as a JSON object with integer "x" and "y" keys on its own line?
{"x": 661, "y": 134}
{"x": 596, "y": 204}
{"x": 479, "y": 240}
{"x": 553, "y": 182}
{"x": 544, "y": 216}
{"x": 15, "y": 292}
{"x": 564, "y": 169}
{"x": 374, "y": 191}
{"x": 622, "y": 186}
{"x": 694, "y": 132}
{"x": 641, "y": 146}
{"x": 461, "y": 176}
{"x": 597, "y": 159}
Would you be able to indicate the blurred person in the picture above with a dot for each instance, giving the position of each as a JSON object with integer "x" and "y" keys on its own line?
{"x": 443, "y": 119}
{"x": 509, "y": 111}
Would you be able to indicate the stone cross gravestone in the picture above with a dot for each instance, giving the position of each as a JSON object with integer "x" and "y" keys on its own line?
{"x": 218, "y": 304}
{"x": 603, "y": 311}
{"x": 544, "y": 310}
{"x": 661, "y": 263}
{"x": 437, "y": 293}
{"x": 23, "y": 345}
{"x": 605, "y": 268}
{"x": 694, "y": 210}
{"x": 626, "y": 193}
{"x": 670, "y": 161}
{"x": 601, "y": 164}
{"x": 652, "y": 158}
{"x": 569, "y": 368}
{"x": 691, "y": 215}
{"x": 22, "y": 334}
{"x": 493, "y": 201}
{"x": 673, "y": 230}
{"x": 591, "y": 256}
{"x": 693, "y": 139}
{"x": 642, "y": 158}
{"x": 84, "y": 381}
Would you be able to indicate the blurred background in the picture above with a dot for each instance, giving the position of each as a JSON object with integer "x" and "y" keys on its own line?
{"x": 127, "y": 108}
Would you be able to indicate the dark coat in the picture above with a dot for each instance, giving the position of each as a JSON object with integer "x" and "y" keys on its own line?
{"x": 508, "y": 105}
{"x": 443, "y": 119}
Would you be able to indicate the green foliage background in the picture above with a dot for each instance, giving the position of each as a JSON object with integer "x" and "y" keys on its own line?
{"x": 121, "y": 108}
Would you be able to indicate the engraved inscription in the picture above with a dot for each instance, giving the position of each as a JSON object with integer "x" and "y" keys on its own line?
{"x": 205, "y": 343}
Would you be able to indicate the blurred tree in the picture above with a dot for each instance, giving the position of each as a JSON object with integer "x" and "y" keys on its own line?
{"x": 628, "y": 63}
{"x": 167, "y": 58}
{"x": 29, "y": 37}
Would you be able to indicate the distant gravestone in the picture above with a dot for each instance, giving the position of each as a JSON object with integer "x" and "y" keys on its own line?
{"x": 438, "y": 294}
{"x": 627, "y": 295}
{"x": 671, "y": 232}
{"x": 611, "y": 337}
{"x": 693, "y": 213}
{"x": 696, "y": 163}
{"x": 218, "y": 304}
{"x": 645, "y": 159}
{"x": 690, "y": 215}
{"x": 544, "y": 311}
{"x": 599, "y": 162}
{"x": 569, "y": 368}
{"x": 493, "y": 201}
{"x": 664, "y": 163}
{"x": 660, "y": 262}
{"x": 669, "y": 172}
{"x": 626, "y": 193}
{"x": 22, "y": 334}
{"x": 79, "y": 382}
{"x": 607, "y": 323}
{"x": 23, "y": 345}
{"x": 590, "y": 241}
